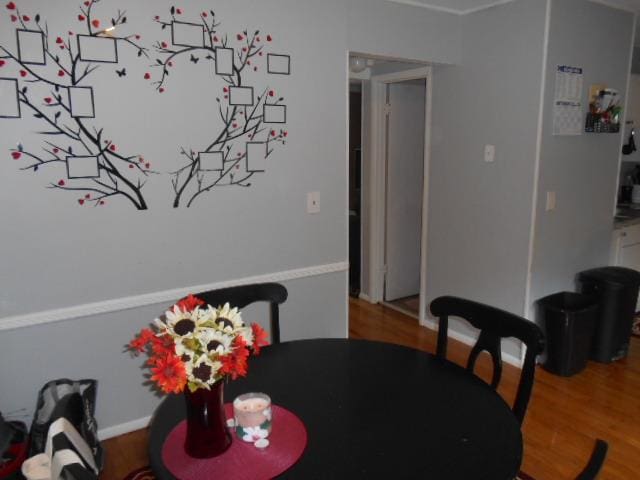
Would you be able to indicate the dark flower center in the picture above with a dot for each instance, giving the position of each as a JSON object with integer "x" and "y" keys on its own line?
{"x": 213, "y": 344}
{"x": 184, "y": 326}
{"x": 224, "y": 322}
{"x": 185, "y": 358}
{"x": 202, "y": 373}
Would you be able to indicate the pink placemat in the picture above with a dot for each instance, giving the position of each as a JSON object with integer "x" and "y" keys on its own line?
{"x": 242, "y": 461}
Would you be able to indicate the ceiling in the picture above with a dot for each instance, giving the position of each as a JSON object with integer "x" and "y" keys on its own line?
{"x": 469, "y": 6}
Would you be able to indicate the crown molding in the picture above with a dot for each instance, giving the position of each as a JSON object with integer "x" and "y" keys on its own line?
{"x": 452, "y": 11}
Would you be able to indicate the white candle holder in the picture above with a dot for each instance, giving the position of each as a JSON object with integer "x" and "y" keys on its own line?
{"x": 253, "y": 417}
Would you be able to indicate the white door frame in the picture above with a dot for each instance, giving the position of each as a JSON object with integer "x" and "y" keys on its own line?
{"x": 377, "y": 197}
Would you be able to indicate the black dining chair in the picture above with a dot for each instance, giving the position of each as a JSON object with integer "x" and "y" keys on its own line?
{"x": 596, "y": 461}
{"x": 494, "y": 325}
{"x": 244, "y": 295}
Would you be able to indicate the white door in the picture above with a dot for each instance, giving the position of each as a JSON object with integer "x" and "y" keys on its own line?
{"x": 404, "y": 173}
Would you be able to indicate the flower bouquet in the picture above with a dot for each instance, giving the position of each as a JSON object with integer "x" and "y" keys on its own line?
{"x": 192, "y": 348}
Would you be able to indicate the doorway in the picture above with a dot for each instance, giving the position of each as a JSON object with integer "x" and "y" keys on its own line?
{"x": 399, "y": 199}
{"x": 404, "y": 171}
{"x": 355, "y": 186}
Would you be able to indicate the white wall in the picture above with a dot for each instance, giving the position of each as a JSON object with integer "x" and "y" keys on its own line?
{"x": 58, "y": 255}
{"x": 583, "y": 169}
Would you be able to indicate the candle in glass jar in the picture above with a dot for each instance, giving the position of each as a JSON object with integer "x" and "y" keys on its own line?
{"x": 252, "y": 412}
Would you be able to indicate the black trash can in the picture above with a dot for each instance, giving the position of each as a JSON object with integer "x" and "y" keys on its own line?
{"x": 569, "y": 320}
{"x": 616, "y": 291}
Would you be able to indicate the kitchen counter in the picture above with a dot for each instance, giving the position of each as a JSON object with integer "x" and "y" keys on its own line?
{"x": 627, "y": 214}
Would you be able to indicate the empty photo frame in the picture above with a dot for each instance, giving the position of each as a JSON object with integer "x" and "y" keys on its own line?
{"x": 9, "y": 98}
{"x": 256, "y": 156}
{"x": 274, "y": 113}
{"x": 213, "y": 161}
{"x": 83, "y": 167}
{"x": 278, "y": 64}
{"x": 97, "y": 49}
{"x": 224, "y": 61}
{"x": 31, "y": 47}
{"x": 240, "y": 95}
{"x": 81, "y": 102}
{"x": 185, "y": 34}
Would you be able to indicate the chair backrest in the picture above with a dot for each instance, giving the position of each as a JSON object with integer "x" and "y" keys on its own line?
{"x": 494, "y": 325}
{"x": 596, "y": 461}
{"x": 244, "y": 295}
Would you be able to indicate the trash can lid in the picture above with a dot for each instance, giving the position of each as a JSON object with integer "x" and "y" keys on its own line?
{"x": 612, "y": 275}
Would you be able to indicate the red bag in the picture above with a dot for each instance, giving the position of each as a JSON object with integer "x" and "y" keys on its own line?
{"x": 14, "y": 447}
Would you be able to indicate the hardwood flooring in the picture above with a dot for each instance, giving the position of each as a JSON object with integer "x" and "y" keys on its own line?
{"x": 564, "y": 418}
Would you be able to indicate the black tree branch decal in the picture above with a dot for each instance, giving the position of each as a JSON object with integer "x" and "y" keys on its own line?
{"x": 239, "y": 123}
{"x": 117, "y": 175}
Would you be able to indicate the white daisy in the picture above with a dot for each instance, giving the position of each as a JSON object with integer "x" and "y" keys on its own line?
{"x": 182, "y": 324}
{"x": 214, "y": 341}
{"x": 203, "y": 372}
{"x": 228, "y": 319}
{"x": 247, "y": 335}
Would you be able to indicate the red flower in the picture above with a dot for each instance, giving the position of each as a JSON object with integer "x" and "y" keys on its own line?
{"x": 271, "y": 93}
{"x": 169, "y": 374}
{"x": 16, "y": 155}
{"x": 259, "y": 338}
{"x": 179, "y": 11}
{"x": 23, "y": 73}
{"x": 95, "y": 23}
{"x": 235, "y": 364}
{"x": 26, "y": 18}
{"x": 61, "y": 183}
{"x": 11, "y": 6}
{"x": 81, "y": 201}
{"x": 81, "y": 18}
{"x": 269, "y": 38}
{"x": 164, "y": 44}
{"x": 13, "y": 18}
{"x": 59, "y": 40}
{"x": 188, "y": 304}
{"x": 61, "y": 73}
{"x": 147, "y": 76}
{"x": 239, "y": 37}
{"x": 2, "y": 62}
{"x": 48, "y": 99}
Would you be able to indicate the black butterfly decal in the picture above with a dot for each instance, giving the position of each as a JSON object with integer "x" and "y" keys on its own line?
{"x": 121, "y": 73}
{"x": 194, "y": 59}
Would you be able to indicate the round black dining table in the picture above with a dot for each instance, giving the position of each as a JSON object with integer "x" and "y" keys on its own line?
{"x": 374, "y": 410}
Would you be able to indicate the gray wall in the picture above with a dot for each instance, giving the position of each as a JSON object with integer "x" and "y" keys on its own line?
{"x": 583, "y": 169}
{"x": 479, "y": 213}
{"x": 460, "y": 122}
{"x": 58, "y": 255}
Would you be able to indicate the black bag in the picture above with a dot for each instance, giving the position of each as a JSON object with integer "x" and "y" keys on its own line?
{"x": 74, "y": 400}
{"x": 13, "y": 448}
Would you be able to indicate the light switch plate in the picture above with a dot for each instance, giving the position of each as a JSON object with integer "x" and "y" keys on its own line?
{"x": 489, "y": 153}
{"x": 551, "y": 201}
{"x": 313, "y": 202}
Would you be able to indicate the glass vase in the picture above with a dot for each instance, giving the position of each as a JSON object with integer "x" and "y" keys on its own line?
{"x": 207, "y": 434}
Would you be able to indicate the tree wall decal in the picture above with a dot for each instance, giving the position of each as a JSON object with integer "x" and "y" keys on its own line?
{"x": 52, "y": 84}
{"x": 95, "y": 168}
{"x": 237, "y": 150}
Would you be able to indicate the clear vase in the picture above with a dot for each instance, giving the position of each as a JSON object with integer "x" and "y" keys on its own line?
{"x": 207, "y": 434}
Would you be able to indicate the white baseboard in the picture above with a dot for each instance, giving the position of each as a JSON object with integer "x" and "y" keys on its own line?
{"x": 123, "y": 428}
{"x": 165, "y": 296}
{"x": 364, "y": 297}
{"x": 469, "y": 340}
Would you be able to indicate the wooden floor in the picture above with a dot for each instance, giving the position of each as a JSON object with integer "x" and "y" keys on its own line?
{"x": 565, "y": 415}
